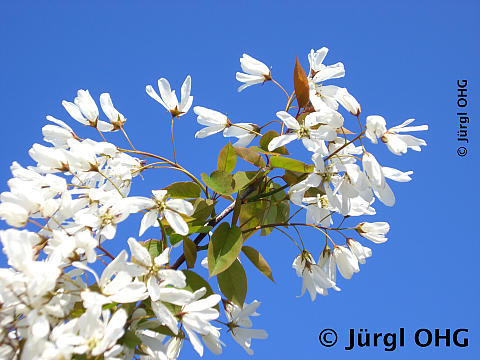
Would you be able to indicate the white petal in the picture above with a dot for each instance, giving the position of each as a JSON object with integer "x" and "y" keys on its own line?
{"x": 176, "y": 222}
{"x": 180, "y": 206}
{"x": 281, "y": 141}
{"x": 289, "y": 120}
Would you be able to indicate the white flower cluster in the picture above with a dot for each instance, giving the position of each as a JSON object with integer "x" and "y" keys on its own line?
{"x": 76, "y": 195}
{"x": 55, "y": 305}
{"x": 338, "y": 184}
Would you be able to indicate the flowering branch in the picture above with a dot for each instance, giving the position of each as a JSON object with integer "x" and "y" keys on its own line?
{"x": 55, "y": 305}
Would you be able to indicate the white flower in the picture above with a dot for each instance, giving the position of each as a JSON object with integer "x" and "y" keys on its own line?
{"x": 331, "y": 96}
{"x": 373, "y": 231}
{"x": 216, "y": 122}
{"x": 256, "y": 72}
{"x": 212, "y": 340}
{"x": 58, "y": 134}
{"x": 213, "y": 120}
{"x": 196, "y": 317}
{"x": 120, "y": 289}
{"x": 306, "y": 131}
{"x": 169, "y": 100}
{"x": 171, "y": 209}
{"x": 348, "y": 102}
{"x": 244, "y": 132}
{"x": 104, "y": 219}
{"x": 375, "y": 175}
{"x": 85, "y": 111}
{"x": 240, "y": 324}
{"x": 375, "y": 127}
{"x": 116, "y": 118}
{"x": 15, "y": 215}
{"x": 347, "y": 263}
{"x": 159, "y": 282}
{"x": 360, "y": 251}
{"x": 314, "y": 278}
{"x": 396, "y": 143}
{"x": 320, "y": 72}
{"x": 95, "y": 333}
{"x": 318, "y": 210}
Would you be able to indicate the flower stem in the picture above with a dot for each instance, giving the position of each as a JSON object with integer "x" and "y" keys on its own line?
{"x": 173, "y": 142}
{"x": 126, "y": 137}
{"x": 281, "y": 87}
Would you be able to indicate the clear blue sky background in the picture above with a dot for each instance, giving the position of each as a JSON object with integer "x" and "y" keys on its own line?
{"x": 402, "y": 60}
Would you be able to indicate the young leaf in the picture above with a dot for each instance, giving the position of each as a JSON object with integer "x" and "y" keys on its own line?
{"x": 277, "y": 209}
{"x": 184, "y": 190}
{"x": 265, "y": 140}
{"x": 269, "y": 217}
{"x": 130, "y": 340}
{"x": 258, "y": 260}
{"x": 290, "y": 164}
{"x": 195, "y": 282}
{"x": 250, "y": 156}
{"x": 190, "y": 251}
{"x": 300, "y": 82}
{"x": 224, "y": 247}
{"x": 251, "y": 215}
{"x": 202, "y": 209}
{"x": 293, "y": 177}
{"x": 233, "y": 283}
{"x": 244, "y": 178}
{"x": 227, "y": 159}
{"x": 236, "y": 210}
{"x": 153, "y": 246}
{"x": 220, "y": 182}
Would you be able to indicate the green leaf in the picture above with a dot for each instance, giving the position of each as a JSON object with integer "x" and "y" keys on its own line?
{"x": 258, "y": 260}
{"x": 292, "y": 177}
{"x": 190, "y": 252}
{"x": 251, "y": 215}
{"x": 195, "y": 282}
{"x": 202, "y": 210}
{"x": 265, "y": 140}
{"x": 269, "y": 217}
{"x": 277, "y": 211}
{"x": 313, "y": 192}
{"x": 224, "y": 247}
{"x": 250, "y": 156}
{"x": 77, "y": 310}
{"x": 184, "y": 190}
{"x": 290, "y": 164}
{"x": 175, "y": 238}
{"x": 233, "y": 283}
{"x": 130, "y": 340}
{"x": 153, "y": 246}
{"x": 220, "y": 182}
{"x": 236, "y": 210}
{"x": 227, "y": 159}
{"x": 244, "y": 178}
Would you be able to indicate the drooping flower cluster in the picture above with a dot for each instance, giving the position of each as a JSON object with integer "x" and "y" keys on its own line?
{"x": 56, "y": 304}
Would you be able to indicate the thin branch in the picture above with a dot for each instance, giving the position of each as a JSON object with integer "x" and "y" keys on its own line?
{"x": 211, "y": 223}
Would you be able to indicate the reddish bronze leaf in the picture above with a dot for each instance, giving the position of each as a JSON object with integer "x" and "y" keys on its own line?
{"x": 300, "y": 82}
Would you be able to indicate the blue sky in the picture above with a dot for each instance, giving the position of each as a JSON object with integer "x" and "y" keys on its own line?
{"x": 402, "y": 61}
